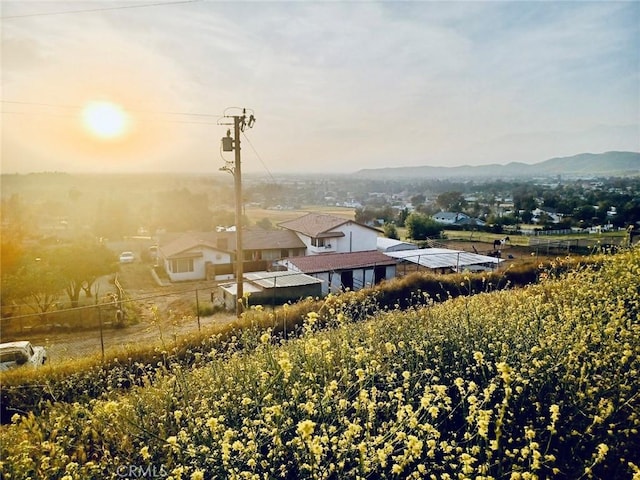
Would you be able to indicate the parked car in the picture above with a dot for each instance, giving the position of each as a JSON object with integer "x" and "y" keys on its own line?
{"x": 127, "y": 257}
{"x": 16, "y": 354}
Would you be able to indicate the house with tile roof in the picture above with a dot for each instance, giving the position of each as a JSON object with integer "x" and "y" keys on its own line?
{"x": 323, "y": 234}
{"x": 341, "y": 271}
{"x": 212, "y": 255}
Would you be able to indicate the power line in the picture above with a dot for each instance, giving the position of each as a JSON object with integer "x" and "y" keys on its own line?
{"x": 101, "y": 9}
{"x": 258, "y": 155}
{"x": 76, "y": 107}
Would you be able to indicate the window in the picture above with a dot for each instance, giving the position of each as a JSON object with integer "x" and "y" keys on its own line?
{"x": 182, "y": 265}
{"x": 317, "y": 242}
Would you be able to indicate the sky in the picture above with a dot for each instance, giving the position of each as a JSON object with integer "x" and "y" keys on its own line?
{"x": 335, "y": 86}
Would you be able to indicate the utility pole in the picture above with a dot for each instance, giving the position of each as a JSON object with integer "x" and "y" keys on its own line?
{"x": 233, "y": 144}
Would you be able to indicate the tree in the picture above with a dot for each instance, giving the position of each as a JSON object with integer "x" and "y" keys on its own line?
{"x": 418, "y": 200}
{"x": 265, "y": 223}
{"x": 80, "y": 264}
{"x": 37, "y": 284}
{"x": 390, "y": 231}
{"x": 402, "y": 216}
{"x": 419, "y": 227}
{"x": 584, "y": 215}
{"x": 364, "y": 215}
{"x": 181, "y": 210}
{"x": 451, "y": 201}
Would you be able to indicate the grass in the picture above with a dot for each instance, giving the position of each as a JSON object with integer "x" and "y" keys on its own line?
{"x": 539, "y": 382}
{"x": 276, "y": 216}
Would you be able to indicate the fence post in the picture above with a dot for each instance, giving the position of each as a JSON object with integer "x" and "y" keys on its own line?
{"x": 101, "y": 333}
{"x": 198, "y": 309}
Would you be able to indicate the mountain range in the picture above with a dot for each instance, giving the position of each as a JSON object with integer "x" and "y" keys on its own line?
{"x": 584, "y": 165}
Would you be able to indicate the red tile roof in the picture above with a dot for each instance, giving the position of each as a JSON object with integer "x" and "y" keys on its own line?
{"x": 341, "y": 261}
{"x": 314, "y": 224}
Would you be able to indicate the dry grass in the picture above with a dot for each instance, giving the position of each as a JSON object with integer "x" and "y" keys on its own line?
{"x": 277, "y": 216}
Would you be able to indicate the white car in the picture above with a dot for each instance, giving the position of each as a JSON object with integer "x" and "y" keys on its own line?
{"x": 16, "y": 354}
{"x": 127, "y": 257}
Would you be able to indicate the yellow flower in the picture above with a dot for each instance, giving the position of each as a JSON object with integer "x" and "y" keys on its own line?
{"x": 197, "y": 475}
{"x": 478, "y": 357}
{"x": 602, "y": 452}
{"x": 305, "y": 428}
{"x": 144, "y": 452}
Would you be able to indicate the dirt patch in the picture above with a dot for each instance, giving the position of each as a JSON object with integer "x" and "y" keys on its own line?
{"x": 156, "y": 315}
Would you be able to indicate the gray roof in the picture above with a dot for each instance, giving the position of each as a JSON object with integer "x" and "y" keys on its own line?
{"x": 385, "y": 244}
{"x": 253, "y": 239}
{"x": 280, "y": 279}
{"x": 443, "y": 257}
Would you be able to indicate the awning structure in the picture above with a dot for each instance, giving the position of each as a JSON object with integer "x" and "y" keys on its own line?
{"x": 444, "y": 258}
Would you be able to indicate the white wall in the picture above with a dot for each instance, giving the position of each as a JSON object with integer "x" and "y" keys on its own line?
{"x": 356, "y": 238}
{"x": 199, "y": 269}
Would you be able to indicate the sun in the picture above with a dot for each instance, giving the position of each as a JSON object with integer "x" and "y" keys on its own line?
{"x": 105, "y": 120}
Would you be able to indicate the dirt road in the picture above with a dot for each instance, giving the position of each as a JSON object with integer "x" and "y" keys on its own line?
{"x": 174, "y": 317}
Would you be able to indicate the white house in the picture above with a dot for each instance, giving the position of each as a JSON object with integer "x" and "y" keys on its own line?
{"x": 449, "y": 218}
{"x": 341, "y": 271}
{"x": 457, "y": 218}
{"x": 212, "y": 255}
{"x": 329, "y": 234}
{"x": 539, "y": 212}
{"x": 191, "y": 255}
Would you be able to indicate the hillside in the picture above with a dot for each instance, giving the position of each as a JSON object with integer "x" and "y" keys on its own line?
{"x": 531, "y": 383}
{"x": 583, "y": 165}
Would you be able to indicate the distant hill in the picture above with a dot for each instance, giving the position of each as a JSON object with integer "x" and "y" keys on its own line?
{"x": 582, "y": 165}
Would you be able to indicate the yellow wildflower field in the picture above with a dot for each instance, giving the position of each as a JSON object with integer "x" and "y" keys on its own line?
{"x": 540, "y": 382}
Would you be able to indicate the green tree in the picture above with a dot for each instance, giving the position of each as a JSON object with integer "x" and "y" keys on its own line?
{"x": 452, "y": 201}
{"x": 402, "y": 216}
{"x": 37, "y": 284}
{"x": 80, "y": 264}
{"x": 390, "y": 231}
{"x": 420, "y": 227}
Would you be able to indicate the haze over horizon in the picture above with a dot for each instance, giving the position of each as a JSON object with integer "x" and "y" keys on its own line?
{"x": 128, "y": 86}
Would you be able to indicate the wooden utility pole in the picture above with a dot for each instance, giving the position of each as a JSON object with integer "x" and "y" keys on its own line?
{"x": 237, "y": 176}
{"x": 228, "y": 145}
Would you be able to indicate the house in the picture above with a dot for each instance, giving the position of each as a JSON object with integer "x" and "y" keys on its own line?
{"x": 385, "y": 244}
{"x": 538, "y": 214}
{"x": 323, "y": 234}
{"x": 341, "y": 271}
{"x": 457, "y": 218}
{"x": 270, "y": 288}
{"x": 449, "y": 218}
{"x": 211, "y": 255}
{"x": 197, "y": 256}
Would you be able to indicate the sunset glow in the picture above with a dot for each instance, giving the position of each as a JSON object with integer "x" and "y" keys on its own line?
{"x": 105, "y": 120}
